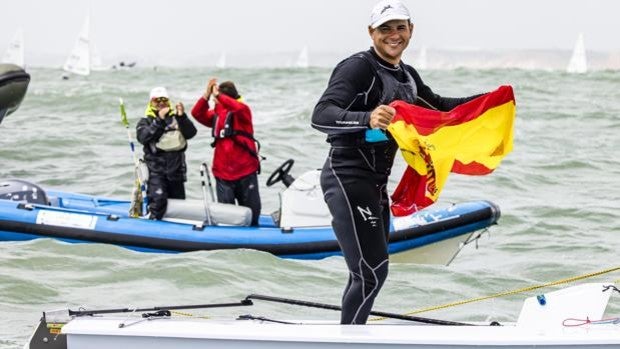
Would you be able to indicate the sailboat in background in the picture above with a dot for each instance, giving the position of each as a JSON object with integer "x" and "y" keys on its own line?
{"x": 95, "y": 59}
{"x": 578, "y": 61}
{"x": 15, "y": 52}
{"x": 421, "y": 62}
{"x": 78, "y": 61}
{"x": 221, "y": 62}
{"x": 302, "y": 59}
{"x": 84, "y": 57}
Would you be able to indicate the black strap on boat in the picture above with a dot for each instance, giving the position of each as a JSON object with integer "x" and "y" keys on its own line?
{"x": 244, "y": 302}
{"x": 264, "y": 319}
{"x": 374, "y": 313}
{"x": 611, "y": 287}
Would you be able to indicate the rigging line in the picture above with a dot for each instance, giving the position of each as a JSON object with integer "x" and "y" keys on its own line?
{"x": 506, "y": 293}
{"x": 176, "y": 307}
{"x": 521, "y": 290}
{"x": 175, "y": 312}
{"x": 335, "y": 307}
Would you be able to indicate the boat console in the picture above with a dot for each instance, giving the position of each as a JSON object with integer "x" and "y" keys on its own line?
{"x": 22, "y": 191}
{"x": 302, "y": 204}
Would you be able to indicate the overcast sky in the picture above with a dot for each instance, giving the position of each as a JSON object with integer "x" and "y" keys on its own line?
{"x": 138, "y": 29}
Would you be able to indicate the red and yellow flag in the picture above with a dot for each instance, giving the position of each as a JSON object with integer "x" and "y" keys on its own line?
{"x": 472, "y": 139}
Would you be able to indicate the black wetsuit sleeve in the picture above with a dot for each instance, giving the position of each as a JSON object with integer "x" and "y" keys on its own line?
{"x": 428, "y": 99}
{"x": 186, "y": 126}
{"x": 342, "y": 107}
{"x": 147, "y": 131}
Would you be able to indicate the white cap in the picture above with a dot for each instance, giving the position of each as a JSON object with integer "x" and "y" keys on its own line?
{"x": 388, "y": 10}
{"x": 159, "y": 92}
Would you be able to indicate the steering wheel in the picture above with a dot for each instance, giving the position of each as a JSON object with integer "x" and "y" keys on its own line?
{"x": 281, "y": 174}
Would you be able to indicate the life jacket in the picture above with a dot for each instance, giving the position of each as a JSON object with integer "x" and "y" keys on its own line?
{"x": 392, "y": 90}
{"x": 229, "y": 131}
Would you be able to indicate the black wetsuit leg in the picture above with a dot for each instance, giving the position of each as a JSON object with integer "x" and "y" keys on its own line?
{"x": 247, "y": 195}
{"x": 159, "y": 190}
{"x": 355, "y": 192}
{"x": 157, "y": 193}
{"x": 243, "y": 191}
{"x": 225, "y": 191}
{"x": 176, "y": 190}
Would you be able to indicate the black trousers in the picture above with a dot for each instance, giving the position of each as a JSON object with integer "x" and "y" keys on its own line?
{"x": 159, "y": 190}
{"x": 354, "y": 181}
{"x": 244, "y": 191}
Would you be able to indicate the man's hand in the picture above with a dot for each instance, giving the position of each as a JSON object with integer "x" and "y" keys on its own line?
{"x": 180, "y": 109}
{"x": 210, "y": 85}
{"x": 216, "y": 92}
{"x": 382, "y": 116}
{"x": 163, "y": 112}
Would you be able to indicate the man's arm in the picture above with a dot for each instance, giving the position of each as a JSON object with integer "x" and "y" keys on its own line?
{"x": 341, "y": 108}
{"x": 201, "y": 112}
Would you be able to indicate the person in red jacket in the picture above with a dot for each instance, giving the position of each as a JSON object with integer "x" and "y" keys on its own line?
{"x": 235, "y": 159}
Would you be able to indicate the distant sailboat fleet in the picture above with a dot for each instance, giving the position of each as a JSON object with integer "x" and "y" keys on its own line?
{"x": 301, "y": 61}
{"x": 85, "y": 57}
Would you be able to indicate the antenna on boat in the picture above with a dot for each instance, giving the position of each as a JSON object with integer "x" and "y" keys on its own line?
{"x": 139, "y": 196}
{"x": 204, "y": 169}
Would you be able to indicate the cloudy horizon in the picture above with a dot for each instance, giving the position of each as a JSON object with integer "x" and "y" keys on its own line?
{"x": 189, "y": 31}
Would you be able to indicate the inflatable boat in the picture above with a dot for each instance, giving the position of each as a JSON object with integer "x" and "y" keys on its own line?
{"x": 299, "y": 229}
{"x": 13, "y": 85}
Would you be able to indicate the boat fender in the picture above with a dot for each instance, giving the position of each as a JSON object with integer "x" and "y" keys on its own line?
{"x": 13, "y": 86}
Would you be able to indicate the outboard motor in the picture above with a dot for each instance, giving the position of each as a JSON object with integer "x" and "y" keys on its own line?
{"x": 13, "y": 85}
{"x": 22, "y": 191}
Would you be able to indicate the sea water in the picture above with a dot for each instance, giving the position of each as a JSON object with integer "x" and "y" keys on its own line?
{"x": 558, "y": 192}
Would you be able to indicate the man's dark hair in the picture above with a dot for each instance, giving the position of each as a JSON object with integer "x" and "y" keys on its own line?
{"x": 228, "y": 88}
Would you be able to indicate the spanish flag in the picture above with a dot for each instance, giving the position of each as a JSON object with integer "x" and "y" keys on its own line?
{"x": 471, "y": 139}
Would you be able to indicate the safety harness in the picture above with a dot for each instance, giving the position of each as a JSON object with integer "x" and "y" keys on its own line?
{"x": 229, "y": 132}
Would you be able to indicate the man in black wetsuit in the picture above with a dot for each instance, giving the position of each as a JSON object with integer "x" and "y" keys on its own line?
{"x": 354, "y": 113}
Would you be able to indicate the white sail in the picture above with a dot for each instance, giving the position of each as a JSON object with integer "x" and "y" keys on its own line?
{"x": 15, "y": 52}
{"x": 421, "y": 62}
{"x": 302, "y": 59}
{"x": 578, "y": 61}
{"x": 221, "y": 62}
{"x": 95, "y": 59}
{"x": 78, "y": 61}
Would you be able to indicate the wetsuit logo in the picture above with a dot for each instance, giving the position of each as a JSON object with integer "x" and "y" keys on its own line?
{"x": 367, "y": 215}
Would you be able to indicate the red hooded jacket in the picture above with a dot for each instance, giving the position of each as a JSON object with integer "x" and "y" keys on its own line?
{"x": 232, "y": 158}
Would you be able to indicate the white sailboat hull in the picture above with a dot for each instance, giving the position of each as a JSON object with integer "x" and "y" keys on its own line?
{"x": 541, "y": 324}
{"x": 168, "y": 333}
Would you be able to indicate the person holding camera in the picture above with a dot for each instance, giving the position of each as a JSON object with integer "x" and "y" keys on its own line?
{"x": 164, "y": 132}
